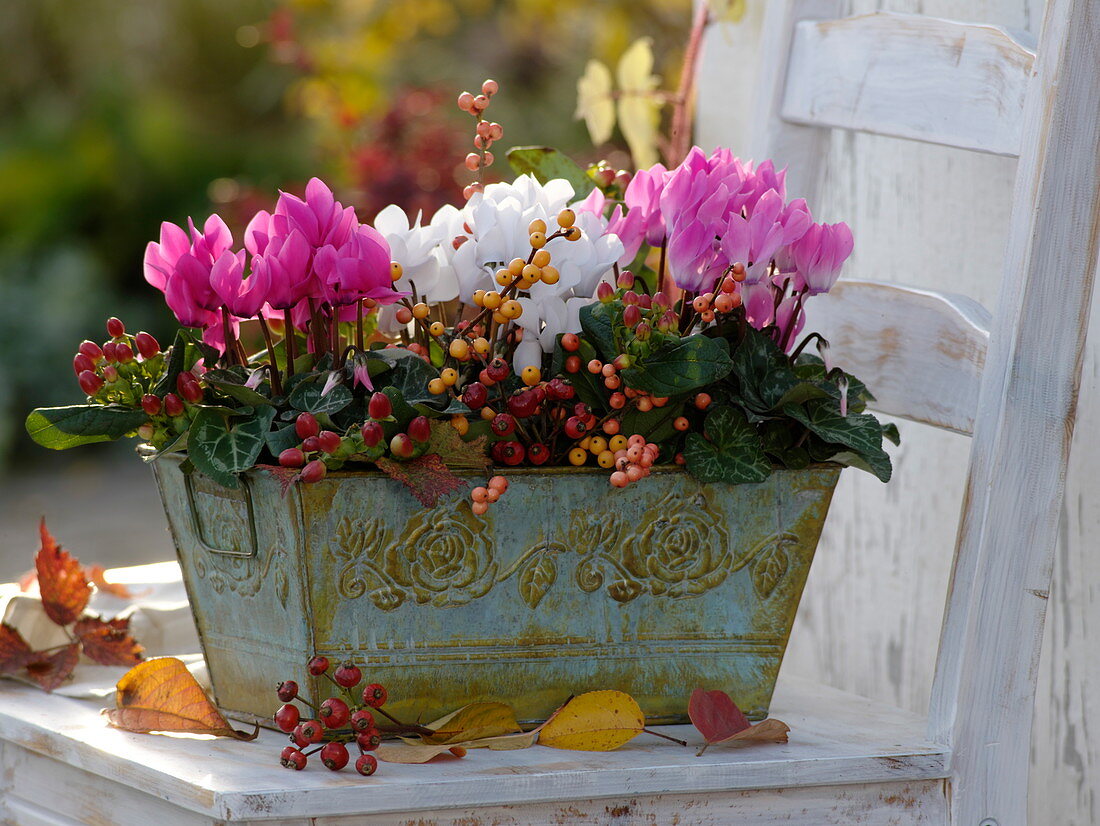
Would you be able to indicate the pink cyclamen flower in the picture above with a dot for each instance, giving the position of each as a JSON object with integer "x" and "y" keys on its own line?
{"x": 242, "y": 296}
{"x": 359, "y": 268}
{"x": 819, "y": 254}
{"x": 754, "y": 240}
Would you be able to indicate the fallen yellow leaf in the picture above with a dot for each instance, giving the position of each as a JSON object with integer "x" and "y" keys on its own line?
{"x": 596, "y": 721}
{"x": 475, "y": 721}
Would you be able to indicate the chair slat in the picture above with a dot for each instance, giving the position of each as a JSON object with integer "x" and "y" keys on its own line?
{"x": 913, "y": 77}
{"x": 921, "y": 353}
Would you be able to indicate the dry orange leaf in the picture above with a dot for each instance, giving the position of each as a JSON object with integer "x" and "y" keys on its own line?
{"x": 596, "y": 721}
{"x": 162, "y": 695}
{"x": 61, "y": 581}
{"x": 96, "y": 573}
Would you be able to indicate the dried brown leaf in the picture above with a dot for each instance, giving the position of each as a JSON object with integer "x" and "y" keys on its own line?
{"x": 61, "y": 581}
{"x": 51, "y": 670}
{"x": 427, "y": 476}
{"x": 108, "y": 642}
{"x": 14, "y": 650}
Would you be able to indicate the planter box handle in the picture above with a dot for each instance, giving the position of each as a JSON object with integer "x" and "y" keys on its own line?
{"x": 196, "y": 523}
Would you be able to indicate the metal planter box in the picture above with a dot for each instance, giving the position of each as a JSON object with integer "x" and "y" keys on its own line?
{"x": 565, "y": 585}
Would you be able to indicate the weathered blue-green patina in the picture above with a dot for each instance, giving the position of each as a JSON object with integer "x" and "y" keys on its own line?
{"x": 566, "y": 585}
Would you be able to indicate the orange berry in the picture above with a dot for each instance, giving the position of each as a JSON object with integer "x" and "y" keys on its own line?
{"x": 597, "y": 445}
{"x": 420, "y": 310}
{"x": 578, "y": 456}
{"x": 538, "y": 225}
{"x": 573, "y": 364}
{"x": 461, "y": 424}
{"x": 395, "y": 271}
{"x": 492, "y": 300}
{"x": 531, "y": 272}
{"x": 538, "y": 240}
{"x": 702, "y": 401}
{"x": 499, "y": 483}
{"x": 634, "y": 473}
{"x": 488, "y": 414}
{"x": 707, "y": 317}
{"x": 570, "y": 342}
{"x": 541, "y": 258}
{"x": 659, "y": 401}
{"x": 573, "y": 234}
{"x": 619, "y": 479}
{"x": 459, "y": 349}
{"x": 611, "y": 427}
{"x": 516, "y": 265}
{"x": 473, "y": 161}
{"x": 437, "y": 328}
{"x": 645, "y": 404}
{"x": 606, "y": 459}
{"x": 681, "y": 423}
{"x": 617, "y": 443}
{"x": 636, "y": 440}
{"x": 595, "y": 366}
{"x": 531, "y": 376}
{"x": 612, "y": 382}
{"x": 449, "y": 376}
{"x": 511, "y": 309}
{"x": 566, "y": 218}
{"x": 700, "y": 304}
{"x": 489, "y": 88}
{"x": 607, "y": 370}
{"x": 481, "y": 346}
{"x": 617, "y": 401}
{"x": 437, "y": 387}
{"x": 550, "y": 275}
{"x": 499, "y": 317}
{"x": 479, "y": 494}
{"x": 404, "y": 315}
{"x": 723, "y": 303}
{"x": 504, "y": 278}
{"x": 494, "y": 495}
{"x": 479, "y": 508}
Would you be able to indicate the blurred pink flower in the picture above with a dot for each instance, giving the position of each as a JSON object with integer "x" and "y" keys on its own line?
{"x": 818, "y": 256}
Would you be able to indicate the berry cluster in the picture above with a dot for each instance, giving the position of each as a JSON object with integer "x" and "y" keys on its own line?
{"x": 335, "y": 724}
{"x": 483, "y": 497}
{"x": 486, "y": 132}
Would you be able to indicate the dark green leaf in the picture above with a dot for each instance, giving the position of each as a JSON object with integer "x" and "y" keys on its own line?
{"x": 890, "y": 431}
{"x": 546, "y": 163}
{"x": 176, "y": 364}
{"x": 221, "y": 451}
{"x": 590, "y": 388}
{"x": 59, "y": 428}
{"x": 860, "y": 432}
{"x": 655, "y": 424}
{"x": 281, "y": 439}
{"x": 237, "y": 391}
{"x": 763, "y": 372}
{"x": 679, "y": 367}
{"x": 877, "y": 464}
{"x": 307, "y": 397}
{"x": 596, "y": 326}
{"x": 733, "y": 453}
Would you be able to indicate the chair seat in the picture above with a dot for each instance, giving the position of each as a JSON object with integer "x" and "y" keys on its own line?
{"x": 836, "y": 738}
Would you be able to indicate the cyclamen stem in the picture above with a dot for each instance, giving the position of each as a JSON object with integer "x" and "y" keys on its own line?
{"x": 276, "y": 379}
{"x": 288, "y": 339}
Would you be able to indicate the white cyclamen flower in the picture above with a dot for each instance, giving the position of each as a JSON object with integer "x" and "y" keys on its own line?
{"x": 419, "y": 250}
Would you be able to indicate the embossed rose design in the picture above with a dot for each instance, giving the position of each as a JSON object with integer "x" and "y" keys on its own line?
{"x": 448, "y": 557}
{"x": 679, "y": 551}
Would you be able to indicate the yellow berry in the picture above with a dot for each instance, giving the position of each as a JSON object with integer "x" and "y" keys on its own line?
{"x": 449, "y": 376}
{"x": 460, "y": 424}
{"x": 459, "y": 349}
{"x": 550, "y": 275}
{"x": 584, "y": 443}
{"x": 511, "y": 309}
{"x": 488, "y": 414}
{"x": 437, "y": 387}
{"x": 538, "y": 239}
{"x": 578, "y": 456}
{"x": 437, "y": 328}
{"x": 499, "y": 317}
{"x": 541, "y": 258}
{"x": 516, "y": 265}
{"x": 617, "y": 443}
{"x": 606, "y": 459}
{"x": 566, "y": 218}
{"x": 481, "y": 346}
{"x": 538, "y": 225}
{"x": 597, "y": 445}
{"x": 524, "y": 284}
{"x": 395, "y": 270}
{"x": 531, "y": 273}
{"x": 493, "y": 299}
{"x": 479, "y": 297}
{"x": 504, "y": 278}
{"x": 531, "y": 376}
{"x": 421, "y": 310}
{"x": 573, "y": 234}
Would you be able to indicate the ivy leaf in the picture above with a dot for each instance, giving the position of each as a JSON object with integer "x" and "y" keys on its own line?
{"x": 733, "y": 453}
{"x": 64, "y": 587}
{"x": 595, "y": 104}
{"x": 769, "y": 569}
{"x": 763, "y": 372}
{"x": 861, "y": 432}
{"x": 14, "y": 650}
{"x": 596, "y": 323}
{"x": 427, "y": 477}
{"x": 307, "y": 397}
{"x": 108, "y": 642}
{"x": 679, "y": 367}
{"x": 60, "y": 428}
{"x": 51, "y": 670}
{"x": 546, "y": 163}
{"x": 222, "y": 452}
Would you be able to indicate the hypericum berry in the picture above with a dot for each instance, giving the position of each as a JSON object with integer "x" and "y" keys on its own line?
{"x": 311, "y": 730}
{"x": 110, "y": 374}
{"x": 538, "y": 454}
{"x": 89, "y": 382}
{"x": 109, "y": 351}
{"x": 291, "y": 758}
{"x": 329, "y": 441}
{"x": 318, "y": 666}
{"x": 475, "y": 395}
{"x": 379, "y": 407}
{"x": 334, "y": 712}
{"x": 91, "y": 350}
{"x": 151, "y": 404}
{"x": 366, "y": 764}
{"x": 115, "y": 328}
{"x": 632, "y": 315}
{"x": 173, "y": 405}
{"x": 315, "y": 471}
{"x": 146, "y": 345}
{"x": 369, "y": 740}
{"x": 348, "y": 675}
{"x": 503, "y": 424}
{"x": 81, "y": 363}
{"x": 288, "y": 717}
{"x": 334, "y": 756}
{"x": 124, "y": 353}
{"x": 306, "y": 425}
{"x": 371, "y": 433}
{"x": 311, "y": 445}
{"x": 292, "y": 457}
{"x": 401, "y": 446}
{"x": 287, "y": 690}
{"x": 498, "y": 369}
{"x": 420, "y": 429}
{"x": 187, "y": 386}
{"x": 374, "y": 695}
{"x": 361, "y": 720}
{"x": 146, "y": 432}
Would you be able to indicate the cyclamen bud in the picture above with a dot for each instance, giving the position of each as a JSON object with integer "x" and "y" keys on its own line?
{"x": 379, "y": 406}
{"x": 626, "y": 279}
{"x": 81, "y": 363}
{"x": 173, "y": 405}
{"x": 89, "y": 382}
{"x": 115, "y": 328}
{"x": 91, "y": 350}
{"x": 146, "y": 345}
{"x": 151, "y": 404}
{"x": 632, "y": 315}
{"x": 605, "y": 292}
{"x": 372, "y": 433}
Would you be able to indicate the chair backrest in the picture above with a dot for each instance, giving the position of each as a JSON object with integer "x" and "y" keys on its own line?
{"x": 1010, "y": 381}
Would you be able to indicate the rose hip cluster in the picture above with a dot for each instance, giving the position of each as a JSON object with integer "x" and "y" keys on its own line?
{"x": 335, "y": 724}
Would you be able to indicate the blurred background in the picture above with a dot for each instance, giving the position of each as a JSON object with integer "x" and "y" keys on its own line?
{"x": 116, "y": 115}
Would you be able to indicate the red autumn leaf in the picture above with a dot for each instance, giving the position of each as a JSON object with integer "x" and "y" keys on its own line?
{"x": 64, "y": 588}
{"x": 13, "y": 649}
{"x": 287, "y": 476}
{"x": 427, "y": 476}
{"x": 51, "y": 670}
{"x": 108, "y": 642}
{"x": 115, "y": 589}
{"x": 719, "y": 720}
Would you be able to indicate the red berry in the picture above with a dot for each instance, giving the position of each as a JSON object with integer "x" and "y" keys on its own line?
{"x": 109, "y": 351}
{"x": 334, "y": 756}
{"x": 366, "y": 764}
{"x": 287, "y": 690}
{"x": 115, "y": 328}
{"x": 420, "y": 429}
{"x": 311, "y": 730}
{"x": 508, "y": 453}
{"x": 173, "y": 405}
{"x": 560, "y": 390}
{"x": 374, "y": 695}
{"x": 371, "y": 433}
{"x": 314, "y": 472}
{"x": 575, "y": 427}
{"x": 81, "y": 363}
{"x": 402, "y": 446}
{"x": 538, "y": 454}
{"x": 379, "y": 406}
{"x": 91, "y": 350}
{"x": 348, "y": 675}
{"x": 573, "y": 364}
{"x": 311, "y": 445}
{"x": 581, "y": 409}
{"x": 124, "y": 353}
{"x": 146, "y": 345}
{"x": 498, "y": 369}
{"x": 292, "y": 457}
{"x": 291, "y": 758}
{"x": 318, "y": 666}
{"x": 89, "y": 382}
{"x": 306, "y": 425}
{"x": 151, "y": 404}
{"x": 522, "y": 405}
{"x": 328, "y": 441}
{"x": 287, "y": 717}
{"x": 362, "y": 720}
{"x": 110, "y": 373}
{"x": 187, "y": 386}
{"x": 298, "y": 738}
{"x": 475, "y": 395}
{"x": 369, "y": 740}
{"x": 503, "y": 424}
{"x": 334, "y": 712}
{"x": 570, "y": 342}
